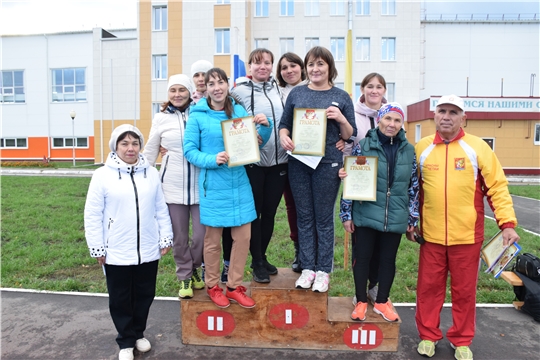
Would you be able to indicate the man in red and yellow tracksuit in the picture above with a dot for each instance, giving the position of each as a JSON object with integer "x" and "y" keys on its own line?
{"x": 456, "y": 171}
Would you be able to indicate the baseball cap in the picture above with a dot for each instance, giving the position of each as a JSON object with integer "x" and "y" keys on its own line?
{"x": 452, "y": 100}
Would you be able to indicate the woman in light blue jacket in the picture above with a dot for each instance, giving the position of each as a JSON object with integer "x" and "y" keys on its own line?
{"x": 226, "y": 198}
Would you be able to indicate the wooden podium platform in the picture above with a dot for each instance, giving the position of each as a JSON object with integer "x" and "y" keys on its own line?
{"x": 286, "y": 317}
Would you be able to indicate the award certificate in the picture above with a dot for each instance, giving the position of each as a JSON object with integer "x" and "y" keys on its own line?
{"x": 309, "y": 132}
{"x": 240, "y": 139}
{"x": 361, "y": 180}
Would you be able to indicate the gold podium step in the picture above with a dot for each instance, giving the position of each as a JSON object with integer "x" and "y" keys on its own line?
{"x": 285, "y": 317}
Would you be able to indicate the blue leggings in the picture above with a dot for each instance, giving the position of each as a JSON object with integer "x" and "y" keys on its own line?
{"x": 315, "y": 192}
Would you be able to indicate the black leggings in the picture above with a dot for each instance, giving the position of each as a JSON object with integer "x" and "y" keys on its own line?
{"x": 363, "y": 250}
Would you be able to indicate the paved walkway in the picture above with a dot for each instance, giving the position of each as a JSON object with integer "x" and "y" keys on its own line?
{"x": 37, "y": 325}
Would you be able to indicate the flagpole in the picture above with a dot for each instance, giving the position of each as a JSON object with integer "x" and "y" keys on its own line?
{"x": 348, "y": 86}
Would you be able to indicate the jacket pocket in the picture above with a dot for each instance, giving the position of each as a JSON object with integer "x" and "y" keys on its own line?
{"x": 164, "y": 168}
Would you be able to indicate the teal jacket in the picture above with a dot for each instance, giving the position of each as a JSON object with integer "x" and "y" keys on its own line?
{"x": 390, "y": 212}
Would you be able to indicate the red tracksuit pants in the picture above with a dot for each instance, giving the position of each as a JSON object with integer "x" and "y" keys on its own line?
{"x": 436, "y": 262}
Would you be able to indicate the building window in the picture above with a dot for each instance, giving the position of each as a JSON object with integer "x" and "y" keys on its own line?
{"x": 337, "y": 7}
{"x": 362, "y": 49}
{"x": 286, "y": 45}
{"x": 160, "y": 18}
{"x": 159, "y": 63}
{"x": 68, "y": 85}
{"x": 63, "y": 142}
{"x": 12, "y": 86}
{"x": 223, "y": 2}
{"x": 286, "y": 8}
{"x": 388, "y": 49}
{"x": 337, "y": 47}
{"x": 311, "y": 7}
{"x": 13, "y": 143}
{"x": 357, "y": 91}
{"x": 156, "y": 108}
{"x": 390, "y": 91}
{"x": 261, "y": 8}
{"x": 417, "y": 133}
{"x": 261, "y": 43}
{"x": 536, "y": 134}
{"x": 223, "y": 41}
{"x": 340, "y": 85}
{"x": 311, "y": 42}
{"x": 362, "y": 7}
{"x": 490, "y": 142}
{"x": 388, "y": 7}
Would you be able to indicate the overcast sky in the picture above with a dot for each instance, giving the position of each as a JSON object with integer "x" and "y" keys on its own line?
{"x": 46, "y": 16}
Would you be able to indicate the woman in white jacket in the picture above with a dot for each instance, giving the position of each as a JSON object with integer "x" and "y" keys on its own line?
{"x": 179, "y": 180}
{"x": 128, "y": 229}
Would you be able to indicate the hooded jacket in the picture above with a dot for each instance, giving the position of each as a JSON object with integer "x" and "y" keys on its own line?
{"x": 179, "y": 178}
{"x": 226, "y": 198}
{"x": 125, "y": 215}
{"x": 263, "y": 98}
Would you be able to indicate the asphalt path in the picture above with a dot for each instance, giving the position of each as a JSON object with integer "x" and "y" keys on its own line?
{"x": 527, "y": 213}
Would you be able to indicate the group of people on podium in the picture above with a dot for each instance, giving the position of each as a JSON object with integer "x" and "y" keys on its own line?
{"x": 431, "y": 192}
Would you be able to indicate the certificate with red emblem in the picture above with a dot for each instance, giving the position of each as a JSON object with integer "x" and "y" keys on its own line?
{"x": 240, "y": 139}
{"x": 361, "y": 180}
{"x": 309, "y": 132}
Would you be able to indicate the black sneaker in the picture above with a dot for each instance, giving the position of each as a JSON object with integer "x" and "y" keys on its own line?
{"x": 271, "y": 269}
{"x": 224, "y": 273}
{"x": 260, "y": 274}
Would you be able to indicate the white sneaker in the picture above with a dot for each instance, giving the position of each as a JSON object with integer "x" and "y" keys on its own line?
{"x": 306, "y": 279}
{"x": 143, "y": 345}
{"x": 321, "y": 282}
{"x": 126, "y": 354}
{"x": 354, "y": 301}
{"x": 372, "y": 294}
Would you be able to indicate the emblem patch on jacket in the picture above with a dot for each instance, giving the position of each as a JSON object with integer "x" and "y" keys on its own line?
{"x": 459, "y": 163}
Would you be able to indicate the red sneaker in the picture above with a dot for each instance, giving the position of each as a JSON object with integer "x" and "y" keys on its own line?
{"x": 239, "y": 296}
{"x": 217, "y": 297}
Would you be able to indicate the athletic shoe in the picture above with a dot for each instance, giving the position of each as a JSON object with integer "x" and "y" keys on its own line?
{"x": 386, "y": 311}
{"x": 143, "y": 345}
{"x": 271, "y": 269}
{"x": 305, "y": 280}
{"x": 462, "y": 352}
{"x": 260, "y": 274}
{"x": 197, "y": 282}
{"x": 372, "y": 294}
{"x": 216, "y": 295}
{"x": 321, "y": 282}
{"x": 126, "y": 354}
{"x": 224, "y": 274}
{"x": 239, "y": 295}
{"x": 426, "y": 348}
{"x": 359, "y": 312}
{"x": 185, "y": 289}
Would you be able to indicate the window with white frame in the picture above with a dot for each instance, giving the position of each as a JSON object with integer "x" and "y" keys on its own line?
{"x": 67, "y": 141}
{"x": 223, "y": 2}
{"x": 311, "y": 7}
{"x": 490, "y": 142}
{"x": 340, "y": 85}
{"x": 223, "y": 41}
{"x": 388, "y": 7}
{"x": 13, "y": 143}
{"x": 337, "y": 47}
{"x": 261, "y": 43}
{"x": 68, "y": 85}
{"x": 12, "y": 86}
{"x": 311, "y": 42}
{"x": 286, "y": 45}
{"x": 388, "y": 46}
{"x": 159, "y": 66}
{"x": 363, "y": 7}
{"x": 390, "y": 91}
{"x": 417, "y": 133}
{"x": 362, "y": 49}
{"x": 357, "y": 91}
{"x": 286, "y": 8}
{"x": 337, "y": 7}
{"x": 537, "y": 134}
{"x": 261, "y": 8}
{"x": 156, "y": 108}
{"x": 160, "y": 18}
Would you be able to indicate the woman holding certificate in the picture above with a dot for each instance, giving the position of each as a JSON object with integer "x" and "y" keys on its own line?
{"x": 394, "y": 211}
{"x": 315, "y": 186}
{"x": 226, "y": 198}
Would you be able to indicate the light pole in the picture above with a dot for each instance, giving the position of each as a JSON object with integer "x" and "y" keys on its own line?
{"x": 72, "y": 114}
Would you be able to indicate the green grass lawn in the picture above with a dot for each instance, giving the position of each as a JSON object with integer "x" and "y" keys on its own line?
{"x": 43, "y": 246}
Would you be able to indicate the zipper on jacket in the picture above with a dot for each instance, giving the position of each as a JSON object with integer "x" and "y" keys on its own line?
{"x": 387, "y": 195}
{"x": 138, "y": 217}
{"x": 275, "y": 122}
{"x": 446, "y": 196}
{"x": 188, "y": 164}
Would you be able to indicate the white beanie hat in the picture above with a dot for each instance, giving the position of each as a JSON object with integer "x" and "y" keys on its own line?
{"x": 181, "y": 79}
{"x": 122, "y": 129}
{"x": 200, "y": 66}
